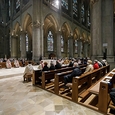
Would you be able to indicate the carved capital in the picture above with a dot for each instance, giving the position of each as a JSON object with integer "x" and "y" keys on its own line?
{"x": 93, "y": 1}
{"x": 36, "y": 23}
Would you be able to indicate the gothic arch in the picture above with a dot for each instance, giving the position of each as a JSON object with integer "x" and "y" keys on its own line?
{"x": 50, "y": 23}
{"x": 27, "y": 25}
{"x": 66, "y": 30}
{"x": 17, "y": 28}
{"x": 76, "y": 34}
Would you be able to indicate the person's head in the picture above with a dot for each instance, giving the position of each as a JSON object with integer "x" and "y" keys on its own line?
{"x": 29, "y": 62}
{"x": 75, "y": 64}
{"x": 45, "y": 63}
{"x": 89, "y": 62}
{"x": 95, "y": 61}
{"x": 51, "y": 64}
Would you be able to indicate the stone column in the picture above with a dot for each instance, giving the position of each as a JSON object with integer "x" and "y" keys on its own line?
{"x": 23, "y": 44}
{"x": 79, "y": 48}
{"x": 102, "y": 29}
{"x": 58, "y": 44}
{"x": 85, "y": 49}
{"x": 37, "y": 35}
{"x": 13, "y": 47}
{"x": 36, "y": 43}
{"x": 70, "y": 47}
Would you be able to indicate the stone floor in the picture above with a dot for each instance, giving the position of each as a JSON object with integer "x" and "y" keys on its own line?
{"x": 18, "y": 98}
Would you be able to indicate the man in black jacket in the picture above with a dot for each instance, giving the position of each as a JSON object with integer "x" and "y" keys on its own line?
{"x": 76, "y": 72}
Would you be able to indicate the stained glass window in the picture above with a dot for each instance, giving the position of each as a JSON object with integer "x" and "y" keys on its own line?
{"x": 17, "y": 5}
{"x": 76, "y": 46}
{"x": 9, "y": 8}
{"x": 64, "y": 4}
{"x": 54, "y": 3}
{"x": 88, "y": 18}
{"x": 26, "y": 42}
{"x": 75, "y": 8}
{"x": 62, "y": 44}
{"x": 50, "y": 41}
{"x": 82, "y": 13}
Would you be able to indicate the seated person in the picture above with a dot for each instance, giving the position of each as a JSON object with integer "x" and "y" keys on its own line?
{"x": 100, "y": 64}
{"x": 112, "y": 93}
{"x": 70, "y": 64}
{"x": 41, "y": 65}
{"x": 76, "y": 72}
{"x": 96, "y": 65}
{"x": 8, "y": 64}
{"x": 104, "y": 62}
{"x": 89, "y": 66}
{"x": 28, "y": 72}
{"x": 16, "y": 64}
{"x": 58, "y": 65}
{"x": 52, "y": 67}
{"x": 45, "y": 68}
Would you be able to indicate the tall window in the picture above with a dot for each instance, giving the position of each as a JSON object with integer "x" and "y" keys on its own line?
{"x": 75, "y": 9}
{"x": 76, "y": 46}
{"x": 54, "y": 3}
{"x": 17, "y": 5}
{"x": 62, "y": 44}
{"x": 27, "y": 42}
{"x": 9, "y": 9}
{"x": 82, "y": 13}
{"x": 50, "y": 42}
{"x": 64, "y": 4}
{"x": 88, "y": 18}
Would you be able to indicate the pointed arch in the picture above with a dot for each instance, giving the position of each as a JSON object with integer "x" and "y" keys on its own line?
{"x": 76, "y": 33}
{"x": 50, "y": 23}
{"x": 66, "y": 30}
{"x": 27, "y": 25}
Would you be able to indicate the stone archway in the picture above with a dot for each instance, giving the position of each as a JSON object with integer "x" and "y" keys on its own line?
{"x": 50, "y": 25}
{"x": 15, "y": 41}
{"x": 27, "y": 29}
{"x": 66, "y": 31}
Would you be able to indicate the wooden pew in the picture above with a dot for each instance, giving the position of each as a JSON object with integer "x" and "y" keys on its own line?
{"x": 101, "y": 91}
{"x": 60, "y": 77}
{"x": 48, "y": 75}
{"x": 77, "y": 81}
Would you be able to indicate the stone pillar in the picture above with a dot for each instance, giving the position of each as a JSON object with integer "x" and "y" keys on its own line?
{"x": 37, "y": 35}
{"x": 23, "y": 44}
{"x": 58, "y": 44}
{"x": 85, "y": 49}
{"x": 102, "y": 29}
{"x": 13, "y": 47}
{"x": 79, "y": 48}
{"x": 70, "y": 47}
{"x": 36, "y": 43}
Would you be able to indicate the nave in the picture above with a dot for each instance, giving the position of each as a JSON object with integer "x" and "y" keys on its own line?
{"x": 18, "y": 98}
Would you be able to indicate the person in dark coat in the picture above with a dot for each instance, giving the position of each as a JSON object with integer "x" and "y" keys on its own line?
{"x": 70, "y": 64}
{"x": 58, "y": 65}
{"x": 52, "y": 67}
{"x": 76, "y": 72}
{"x": 45, "y": 68}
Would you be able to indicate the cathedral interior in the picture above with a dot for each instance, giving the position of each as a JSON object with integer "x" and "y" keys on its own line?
{"x": 46, "y": 29}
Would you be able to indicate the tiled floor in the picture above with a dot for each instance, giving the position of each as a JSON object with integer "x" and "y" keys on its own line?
{"x": 18, "y": 98}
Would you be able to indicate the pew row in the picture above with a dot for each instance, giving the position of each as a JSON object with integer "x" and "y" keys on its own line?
{"x": 84, "y": 80}
{"x": 49, "y": 75}
{"x": 98, "y": 94}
